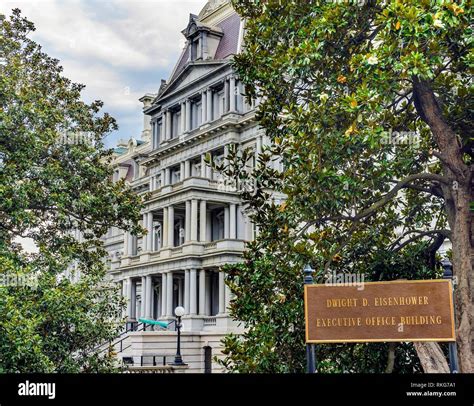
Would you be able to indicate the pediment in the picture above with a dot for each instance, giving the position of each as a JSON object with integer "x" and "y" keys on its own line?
{"x": 191, "y": 73}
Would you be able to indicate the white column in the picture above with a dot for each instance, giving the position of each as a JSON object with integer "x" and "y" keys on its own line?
{"x": 183, "y": 117}
{"x": 171, "y": 226}
{"x": 164, "y": 126}
{"x": 202, "y": 292}
{"x": 163, "y": 175}
{"x": 209, "y": 105}
{"x": 226, "y": 154}
{"x": 169, "y": 294}
{"x": 164, "y": 231}
{"x": 187, "y": 221}
{"x": 192, "y": 291}
{"x": 226, "y": 95}
{"x": 186, "y": 291}
{"x": 232, "y": 93}
{"x": 240, "y": 223}
{"x": 164, "y": 288}
{"x": 232, "y": 221}
{"x": 202, "y": 221}
{"x": 167, "y": 180}
{"x": 194, "y": 219}
{"x": 126, "y": 248}
{"x": 149, "y": 236}
{"x": 187, "y": 169}
{"x": 168, "y": 124}
{"x": 188, "y": 115}
{"x": 144, "y": 237}
{"x": 143, "y": 303}
{"x": 149, "y": 298}
{"x": 203, "y": 166}
{"x": 181, "y": 171}
{"x": 128, "y": 288}
{"x": 203, "y": 107}
{"x": 226, "y": 222}
{"x": 221, "y": 292}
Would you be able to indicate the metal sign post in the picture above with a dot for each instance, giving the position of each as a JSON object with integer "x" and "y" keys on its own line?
{"x": 453, "y": 352}
{"x": 310, "y": 356}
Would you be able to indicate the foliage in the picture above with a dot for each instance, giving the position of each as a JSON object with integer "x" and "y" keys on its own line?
{"x": 55, "y": 183}
{"x": 366, "y": 168}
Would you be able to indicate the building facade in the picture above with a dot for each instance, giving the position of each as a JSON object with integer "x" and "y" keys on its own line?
{"x": 194, "y": 218}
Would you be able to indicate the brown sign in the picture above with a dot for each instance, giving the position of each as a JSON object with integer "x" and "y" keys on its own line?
{"x": 380, "y": 311}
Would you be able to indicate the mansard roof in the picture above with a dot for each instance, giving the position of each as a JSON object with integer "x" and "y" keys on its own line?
{"x": 226, "y": 29}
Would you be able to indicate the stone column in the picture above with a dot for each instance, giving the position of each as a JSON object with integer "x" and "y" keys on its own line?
{"x": 164, "y": 231}
{"x": 221, "y": 292}
{"x": 164, "y": 126}
{"x": 187, "y": 222}
{"x": 209, "y": 105}
{"x": 186, "y": 291}
{"x": 162, "y": 175}
{"x": 203, "y": 166}
{"x": 232, "y": 221}
{"x": 168, "y": 124}
{"x": 149, "y": 298}
{"x": 226, "y": 222}
{"x": 203, "y": 107}
{"x": 194, "y": 219}
{"x": 149, "y": 236}
{"x": 232, "y": 94}
{"x": 202, "y": 221}
{"x": 126, "y": 248}
{"x": 202, "y": 292}
{"x": 144, "y": 237}
{"x": 226, "y": 96}
{"x": 128, "y": 282}
{"x": 188, "y": 115}
{"x": 192, "y": 291}
{"x": 171, "y": 226}
{"x": 187, "y": 169}
{"x": 167, "y": 180}
{"x": 181, "y": 171}
{"x": 240, "y": 223}
{"x": 183, "y": 117}
{"x": 226, "y": 154}
{"x": 164, "y": 288}
{"x": 143, "y": 303}
{"x": 169, "y": 294}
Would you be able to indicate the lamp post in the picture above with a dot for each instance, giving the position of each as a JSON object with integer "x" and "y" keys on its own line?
{"x": 179, "y": 312}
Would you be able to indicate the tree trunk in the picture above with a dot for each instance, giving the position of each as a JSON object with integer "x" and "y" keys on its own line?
{"x": 432, "y": 358}
{"x": 457, "y": 197}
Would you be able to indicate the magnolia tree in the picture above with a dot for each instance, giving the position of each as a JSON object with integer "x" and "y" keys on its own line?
{"x": 366, "y": 106}
{"x": 55, "y": 179}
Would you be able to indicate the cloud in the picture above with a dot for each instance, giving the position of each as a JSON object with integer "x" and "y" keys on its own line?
{"x": 120, "y": 49}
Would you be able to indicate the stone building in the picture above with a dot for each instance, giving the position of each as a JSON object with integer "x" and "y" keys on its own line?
{"x": 195, "y": 221}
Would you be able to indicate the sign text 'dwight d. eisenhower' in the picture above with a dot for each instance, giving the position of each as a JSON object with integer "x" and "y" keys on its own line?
{"x": 382, "y": 311}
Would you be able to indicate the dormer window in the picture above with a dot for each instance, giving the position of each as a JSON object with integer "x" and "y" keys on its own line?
{"x": 202, "y": 39}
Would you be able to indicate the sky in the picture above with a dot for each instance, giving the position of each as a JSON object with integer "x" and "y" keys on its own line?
{"x": 119, "y": 49}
